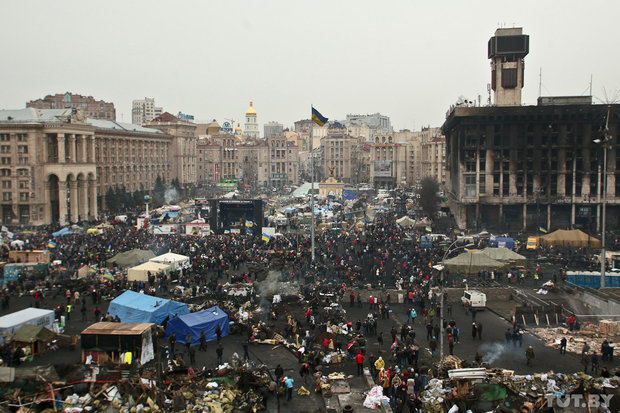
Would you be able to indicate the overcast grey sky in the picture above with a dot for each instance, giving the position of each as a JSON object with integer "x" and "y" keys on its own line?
{"x": 406, "y": 59}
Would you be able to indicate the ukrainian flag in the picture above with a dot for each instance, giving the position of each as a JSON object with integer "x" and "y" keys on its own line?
{"x": 428, "y": 229}
{"x": 266, "y": 237}
{"x": 108, "y": 275}
{"x": 51, "y": 244}
{"x": 249, "y": 231}
{"x": 541, "y": 229}
{"x": 226, "y": 231}
{"x": 318, "y": 118}
{"x": 249, "y": 224}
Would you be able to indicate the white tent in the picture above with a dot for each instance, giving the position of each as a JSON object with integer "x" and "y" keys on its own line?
{"x": 10, "y": 323}
{"x": 140, "y": 272}
{"x": 405, "y": 222}
{"x": 175, "y": 261}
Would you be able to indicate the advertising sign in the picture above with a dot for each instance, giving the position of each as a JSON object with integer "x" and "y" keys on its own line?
{"x": 226, "y": 127}
{"x": 383, "y": 169}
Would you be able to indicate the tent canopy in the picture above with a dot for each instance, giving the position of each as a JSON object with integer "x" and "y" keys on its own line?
{"x": 176, "y": 261}
{"x": 503, "y": 254}
{"x": 206, "y": 320}
{"x": 132, "y": 307}
{"x": 570, "y": 238}
{"x": 29, "y": 333}
{"x": 130, "y": 258}
{"x": 472, "y": 263}
{"x": 140, "y": 272}
{"x": 405, "y": 222}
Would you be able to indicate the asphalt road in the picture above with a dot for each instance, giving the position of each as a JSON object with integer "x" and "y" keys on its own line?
{"x": 491, "y": 347}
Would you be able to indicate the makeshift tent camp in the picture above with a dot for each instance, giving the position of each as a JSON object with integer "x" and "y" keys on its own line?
{"x": 141, "y": 272}
{"x": 570, "y": 238}
{"x": 472, "y": 263}
{"x": 107, "y": 341}
{"x": 130, "y": 258}
{"x": 405, "y": 222}
{"x": 503, "y": 255}
{"x": 206, "y": 320}
{"x": 175, "y": 261}
{"x": 10, "y": 323}
{"x": 34, "y": 337}
{"x": 132, "y": 307}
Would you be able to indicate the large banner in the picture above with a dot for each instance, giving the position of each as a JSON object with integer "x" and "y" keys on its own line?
{"x": 383, "y": 169}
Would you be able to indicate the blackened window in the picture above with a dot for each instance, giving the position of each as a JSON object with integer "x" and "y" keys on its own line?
{"x": 509, "y": 78}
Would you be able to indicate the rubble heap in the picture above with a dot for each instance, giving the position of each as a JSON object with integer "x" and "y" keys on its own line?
{"x": 591, "y": 334}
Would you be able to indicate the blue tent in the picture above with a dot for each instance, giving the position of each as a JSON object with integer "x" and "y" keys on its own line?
{"x": 206, "y": 320}
{"x": 132, "y": 307}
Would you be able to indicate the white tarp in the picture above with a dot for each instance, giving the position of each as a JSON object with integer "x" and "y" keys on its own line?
{"x": 175, "y": 261}
{"x": 140, "y": 272}
{"x": 10, "y": 323}
{"x": 147, "y": 353}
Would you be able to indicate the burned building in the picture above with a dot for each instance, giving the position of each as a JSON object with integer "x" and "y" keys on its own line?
{"x": 517, "y": 168}
{"x": 520, "y": 168}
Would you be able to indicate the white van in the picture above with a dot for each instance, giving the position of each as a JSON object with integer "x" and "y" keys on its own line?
{"x": 474, "y": 299}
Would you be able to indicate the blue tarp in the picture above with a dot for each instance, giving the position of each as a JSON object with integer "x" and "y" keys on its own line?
{"x": 61, "y": 232}
{"x": 503, "y": 242}
{"x": 346, "y": 194}
{"x": 133, "y": 307}
{"x": 206, "y": 320}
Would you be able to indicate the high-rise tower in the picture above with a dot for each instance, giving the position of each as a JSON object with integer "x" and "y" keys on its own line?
{"x": 506, "y": 50}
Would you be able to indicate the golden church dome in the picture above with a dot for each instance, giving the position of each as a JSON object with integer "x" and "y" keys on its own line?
{"x": 251, "y": 110}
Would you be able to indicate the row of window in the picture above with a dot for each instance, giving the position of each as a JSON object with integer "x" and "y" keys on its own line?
{"x": 19, "y": 137}
{"x": 23, "y": 196}
{"x": 20, "y": 149}
{"x": 22, "y": 184}
{"x": 6, "y": 160}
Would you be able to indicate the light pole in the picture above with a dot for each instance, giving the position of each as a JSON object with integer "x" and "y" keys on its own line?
{"x": 441, "y": 300}
{"x": 605, "y": 142}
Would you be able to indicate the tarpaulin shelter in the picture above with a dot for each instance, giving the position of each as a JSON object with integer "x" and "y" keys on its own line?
{"x": 61, "y": 232}
{"x": 130, "y": 258}
{"x": 504, "y": 255}
{"x": 175, "y": 261}
{"x": 206, "y": 320}
{"x": 141, "y": 272}
{"x": 133, "y": 307}
{"x": 502, "y": 242}
{"x": 570, "y": 238}
{"x": 405, "y": 222}
{"x": 106, "y": 341}
{"x": 10, "y": 323}
{"x": 35, "y": 337}
{"x": 472, "y": 263}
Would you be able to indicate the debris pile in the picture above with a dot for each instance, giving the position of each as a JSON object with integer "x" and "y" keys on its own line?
{"x": 591, "y": 335}
{"x": 497, "y": 390}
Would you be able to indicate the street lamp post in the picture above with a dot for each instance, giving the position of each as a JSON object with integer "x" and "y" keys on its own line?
{"x": 605, "y": 142}
{"x": 441, "y": 300}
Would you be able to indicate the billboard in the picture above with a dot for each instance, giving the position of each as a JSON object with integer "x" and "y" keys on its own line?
{"x": 226, "y": 127}
{"x": 383, "y": 169}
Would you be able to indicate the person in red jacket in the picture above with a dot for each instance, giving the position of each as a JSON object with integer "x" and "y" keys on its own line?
{"x": 359, "y": 359}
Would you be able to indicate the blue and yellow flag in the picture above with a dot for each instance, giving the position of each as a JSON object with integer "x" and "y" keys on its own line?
{"x": 108, "y": 275}
{"x": 318, "y": 118}
{"x": 51, "y": 244}
{"x": 226, "y": 231}
{"x": 541, "y": 229}
{"x": 428, "y": 229}
{"x": 249, "y": 224}
{"x": 249, "y": 231}
{"x": 266, "y": 237}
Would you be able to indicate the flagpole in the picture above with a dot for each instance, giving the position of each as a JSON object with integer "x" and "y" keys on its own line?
{"x": 312, "y": 192}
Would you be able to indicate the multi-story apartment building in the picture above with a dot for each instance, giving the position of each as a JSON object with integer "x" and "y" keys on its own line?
{"x": 339, "y": 154}
{"x": 273, "y": 129}
{"x": 144, "y": 110}
{"x": 56, "y": 165}
{"x": 92, "y": 108}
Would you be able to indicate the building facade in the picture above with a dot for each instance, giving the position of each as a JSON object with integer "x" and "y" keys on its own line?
{"x": 339, "y": 154}
{"x": 144, "y": 110}
{"x": 56, "y": 164}
{"x": 273, "y": 129}
{"x": 521, "y": 167}
{"x": 183, "y": 146}
{"x": 92, "y": 108}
